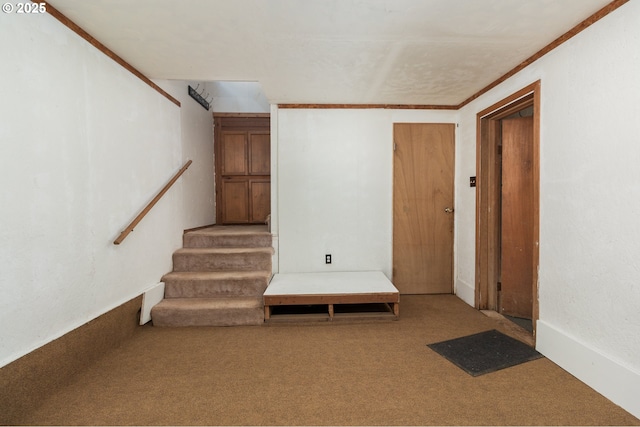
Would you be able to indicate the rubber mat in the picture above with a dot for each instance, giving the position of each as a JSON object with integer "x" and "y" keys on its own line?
{"x": 485, "y": 352}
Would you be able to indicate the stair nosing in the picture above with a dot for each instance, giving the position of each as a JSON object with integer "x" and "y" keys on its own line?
{"x": 228, "y": 232}
{"x": 231, "y": 249}
{"x": 212, "y": 302}
{"x": 220, "y": 274}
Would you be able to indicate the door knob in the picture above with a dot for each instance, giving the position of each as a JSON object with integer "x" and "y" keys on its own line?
{"x": 448, "y": 210}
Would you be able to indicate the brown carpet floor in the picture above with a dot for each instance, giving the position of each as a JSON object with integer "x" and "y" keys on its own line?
{"x": 378, "y": 373}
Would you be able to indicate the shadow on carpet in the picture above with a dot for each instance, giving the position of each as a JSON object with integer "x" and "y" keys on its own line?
{"x": 486, "y": 352}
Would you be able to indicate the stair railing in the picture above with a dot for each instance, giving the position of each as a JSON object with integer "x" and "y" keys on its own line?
{"x": 146, "y": 210}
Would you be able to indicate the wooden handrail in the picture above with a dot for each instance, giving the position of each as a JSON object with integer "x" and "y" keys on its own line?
{"x": 146, "y": 210}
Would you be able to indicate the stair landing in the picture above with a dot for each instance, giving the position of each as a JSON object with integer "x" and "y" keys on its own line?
{"x": 255, "y": 236}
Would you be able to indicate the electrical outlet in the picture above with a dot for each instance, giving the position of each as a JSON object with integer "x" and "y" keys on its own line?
{"x": 327, "y": 259}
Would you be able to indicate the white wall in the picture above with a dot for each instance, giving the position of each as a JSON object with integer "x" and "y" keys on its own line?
{"x": 84, "y": 145}
{"x": 589, "y": 280}
{"x": 198, "y": 195}
{"x": 334, "y": 186}
{"x": 236, "y": 97}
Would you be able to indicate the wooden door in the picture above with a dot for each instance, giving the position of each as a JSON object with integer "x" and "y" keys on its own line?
{"x": 423, "y": 208}
{"x": 243, "y": 169}
{"x": 515, "y": 297}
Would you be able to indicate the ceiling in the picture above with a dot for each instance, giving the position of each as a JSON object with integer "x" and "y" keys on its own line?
{"x": 420, "y": 52}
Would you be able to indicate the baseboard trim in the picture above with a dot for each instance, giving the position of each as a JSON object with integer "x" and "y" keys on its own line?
{"x": 27, "y": 381}
{"x": 465, "y": 292}
{"x": 617, "y": 383}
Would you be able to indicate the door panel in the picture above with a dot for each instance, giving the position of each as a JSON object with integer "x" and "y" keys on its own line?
{"x": 516, "y": 260}
{"x": 234, "y": 153}
{"x": 236, "y": 204}
{"x": 260, "y": 200}
{"x": 422, "y": 194}
{"x": 260, "y": 154}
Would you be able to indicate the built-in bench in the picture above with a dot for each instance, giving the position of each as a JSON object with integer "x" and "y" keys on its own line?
{"x": 331, "y": 296}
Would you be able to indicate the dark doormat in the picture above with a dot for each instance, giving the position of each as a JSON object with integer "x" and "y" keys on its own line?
{"x": 486, "y": 352}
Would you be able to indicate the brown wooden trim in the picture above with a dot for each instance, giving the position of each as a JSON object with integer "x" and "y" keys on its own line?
{"x": 536, "y": 204}
{"x": 481, "y": 298}
{"x": 330, "y": 300}
{"x": 242, "y": 123}
{"x": 368, "y": 106}
{"x": 509, "y": 100}
{"x": 321, "y": 299}
{"x": 217, "y": 165}
{"x": 242, "y": 115}
{"x": 548, "y": 48}
{"x": 151, "y": 204}
{"x": 95, "y": 43}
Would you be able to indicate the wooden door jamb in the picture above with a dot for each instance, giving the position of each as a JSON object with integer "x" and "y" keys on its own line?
{"x": 487, "y": 174}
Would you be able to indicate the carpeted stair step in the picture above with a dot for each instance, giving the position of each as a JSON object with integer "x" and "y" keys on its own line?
{"x": 222, "y": 259}
{"x": 218, "y": 278}
{"x": 176, "y": 312}
{"x": 227, "y": 237}
{"x": 215, "y": 284}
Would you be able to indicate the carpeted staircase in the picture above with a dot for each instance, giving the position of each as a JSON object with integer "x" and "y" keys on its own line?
{"x": 218, "y": 278}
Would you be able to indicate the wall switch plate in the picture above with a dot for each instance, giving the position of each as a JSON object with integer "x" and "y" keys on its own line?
{"x": 327, "y": 259}
{"x": 472, "y": 181}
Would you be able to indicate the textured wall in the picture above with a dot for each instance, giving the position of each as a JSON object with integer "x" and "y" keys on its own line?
{"x": 84, "y": 146}
{"x": 589, "y": 281}
{"x": 335, "y": 181}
